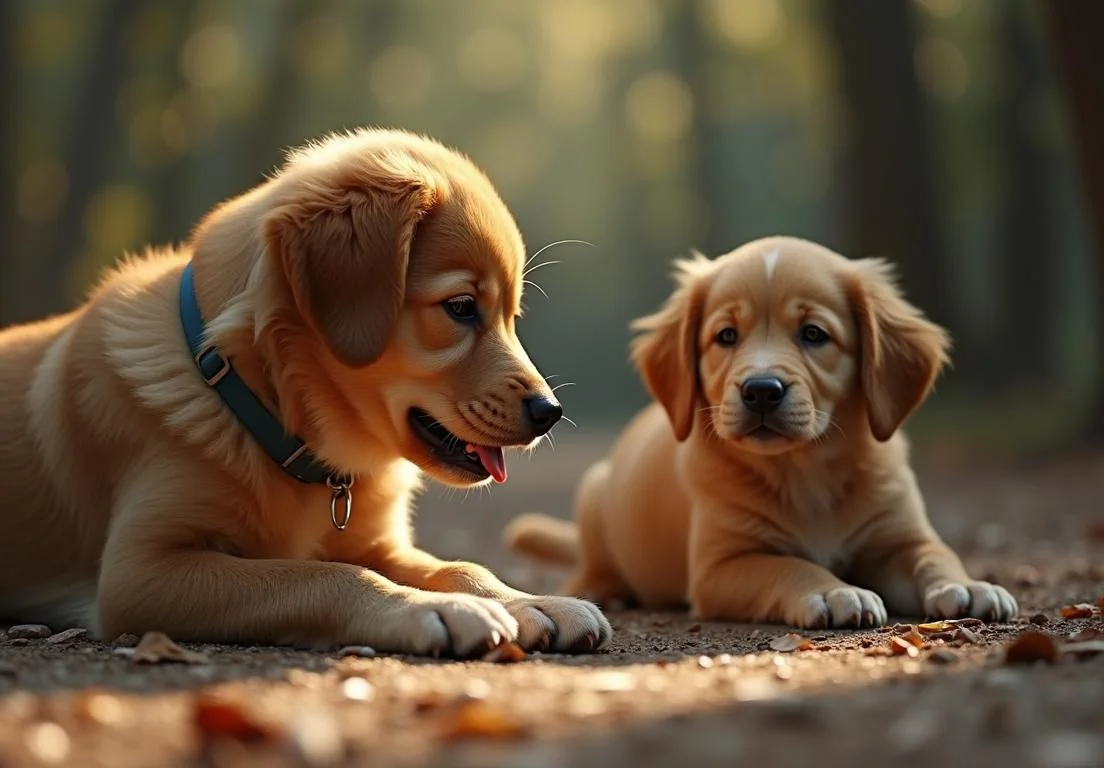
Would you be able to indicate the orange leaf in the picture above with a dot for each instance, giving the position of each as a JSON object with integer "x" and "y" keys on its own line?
{"x": 790, "y": 642}
{"x": 934, "y": 627}
{"x": 1079, "y": 611}
{"x": 217, "y": 718}
{"x": 914, "y": 638}
{"x": 481, "y": 719}
{"x": 507, "y": 653}
{"x": 1031, "y": 646}
{"x": 900, "y": 647}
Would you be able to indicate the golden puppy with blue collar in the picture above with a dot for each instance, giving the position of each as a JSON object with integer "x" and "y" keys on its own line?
{"x": 770, "y": 481}
{"x": 223, "y": 442}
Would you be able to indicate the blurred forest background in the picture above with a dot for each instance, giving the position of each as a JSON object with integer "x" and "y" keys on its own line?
{"x": 940, "y": 133}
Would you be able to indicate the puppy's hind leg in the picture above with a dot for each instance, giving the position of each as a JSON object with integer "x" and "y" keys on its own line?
{"x": 596, "y": 575}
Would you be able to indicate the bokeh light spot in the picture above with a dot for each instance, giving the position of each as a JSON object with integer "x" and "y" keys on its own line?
{"x": 491, "y": 60}
{"x": 41, "y": 191}
{"x": 211, "y": 57}
{"x": 400, "y": 77}
{"x": 941, "y": 68}
{"x": 659, "y": 107}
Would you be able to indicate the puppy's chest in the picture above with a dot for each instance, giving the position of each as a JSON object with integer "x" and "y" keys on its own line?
{"x": 817, "y": 525}
{"x": 295, "y": 531}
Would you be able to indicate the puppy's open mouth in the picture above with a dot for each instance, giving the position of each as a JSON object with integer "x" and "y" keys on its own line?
{"x": 480, "y": 461}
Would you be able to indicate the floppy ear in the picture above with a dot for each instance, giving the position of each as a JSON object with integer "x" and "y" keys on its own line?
{"x": 902, "y": 352}
{"x": 666, "y": 354}
{"x": 344, "y": 253}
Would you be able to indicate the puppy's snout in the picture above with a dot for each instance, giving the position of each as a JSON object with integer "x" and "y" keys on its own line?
{"x": 763, "y": 394}
{"x": 542, "y": 413}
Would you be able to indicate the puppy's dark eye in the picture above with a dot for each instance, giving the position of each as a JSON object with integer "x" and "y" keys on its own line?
{"x": 727, "y": 337}
{"x": 462, "y": 309}
{"x": 813, "y": 335}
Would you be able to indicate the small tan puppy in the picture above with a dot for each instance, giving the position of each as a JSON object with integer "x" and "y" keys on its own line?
{"x": 771, "y": 483}
{"x": 223, "y": 442}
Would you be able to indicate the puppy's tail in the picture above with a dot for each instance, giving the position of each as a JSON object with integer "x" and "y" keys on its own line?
{"x": 543, "y": 537}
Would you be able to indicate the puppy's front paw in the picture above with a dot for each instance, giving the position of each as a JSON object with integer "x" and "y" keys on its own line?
{"x": 562, "y": 624}
{"x": 844, "y": 607}
{"x": 455, "y": 625}
{"x": 978, "y": 599}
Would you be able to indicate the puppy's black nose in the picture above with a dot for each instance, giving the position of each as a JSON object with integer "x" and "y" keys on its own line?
{"x": 763, "y": 394}
{"x": 542, "y": 413}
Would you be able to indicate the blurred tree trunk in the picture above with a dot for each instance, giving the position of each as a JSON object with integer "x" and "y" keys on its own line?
{"x": 889, "y": 162}
{"x": 1076, "y": 26}
{"x": 166, "y": 184}
{"x": 709, "y": 173}
{"x": 1026, "y": 287}
{"x": 87, "y": 156}
{"x": 8, "y": 179}
{"x": 269, "y": 126}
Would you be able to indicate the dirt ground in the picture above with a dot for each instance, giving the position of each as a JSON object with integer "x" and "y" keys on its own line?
{"x": 668, "y": 691}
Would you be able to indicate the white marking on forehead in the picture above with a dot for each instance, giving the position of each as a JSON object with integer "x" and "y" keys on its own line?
{"x": 762, "y": 362}
{"x": 770, "y": 259}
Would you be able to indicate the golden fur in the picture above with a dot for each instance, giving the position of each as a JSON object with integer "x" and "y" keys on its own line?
{"x": 134, "y": 500}
{"x": 817, "y": 522}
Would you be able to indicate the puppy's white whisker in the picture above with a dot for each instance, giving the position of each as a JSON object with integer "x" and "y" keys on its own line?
{"x": 543, "y": 292}
{"x": 564, "y": 384}
{"x": 569, "y": 421}
{"x": 553, "y": 244}
{"x": 535, "y": 267}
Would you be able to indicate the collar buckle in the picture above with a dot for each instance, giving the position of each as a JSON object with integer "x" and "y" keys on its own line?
{"x": 209, "y": 354}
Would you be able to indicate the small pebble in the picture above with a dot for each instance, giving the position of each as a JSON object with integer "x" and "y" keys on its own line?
{"x": 358, "y": 651}
{"x": 1040, "y": 619}
{"x": 29, "y": 632}
{"x": 19, "y": 642}
{"x": 67, "y": 636}
{"x": 126, "y": 640}
{"x": 943, "y": 656}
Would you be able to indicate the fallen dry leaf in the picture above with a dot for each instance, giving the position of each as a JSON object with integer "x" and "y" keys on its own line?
{"x": 1079, "y": 611}
{"x": 482, "y": 720}
{"x": 507, "y": 653}
{"x": 1086, "y": 634}
{"x": 216, "y": 718}
{"x": 158, "y": 648}
{"x": 969, "y": 621}
{"x": 914, "y": 638}
{"x": 964, "y": 635}
{"x": 790, "y": 642}
{"x": 898, "y": 646}
{"x": 934, "y": 627}
{"x": 1030, "y": 647}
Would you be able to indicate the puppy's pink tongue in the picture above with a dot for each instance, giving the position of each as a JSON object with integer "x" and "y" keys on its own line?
{"x": 493, "y": 461}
